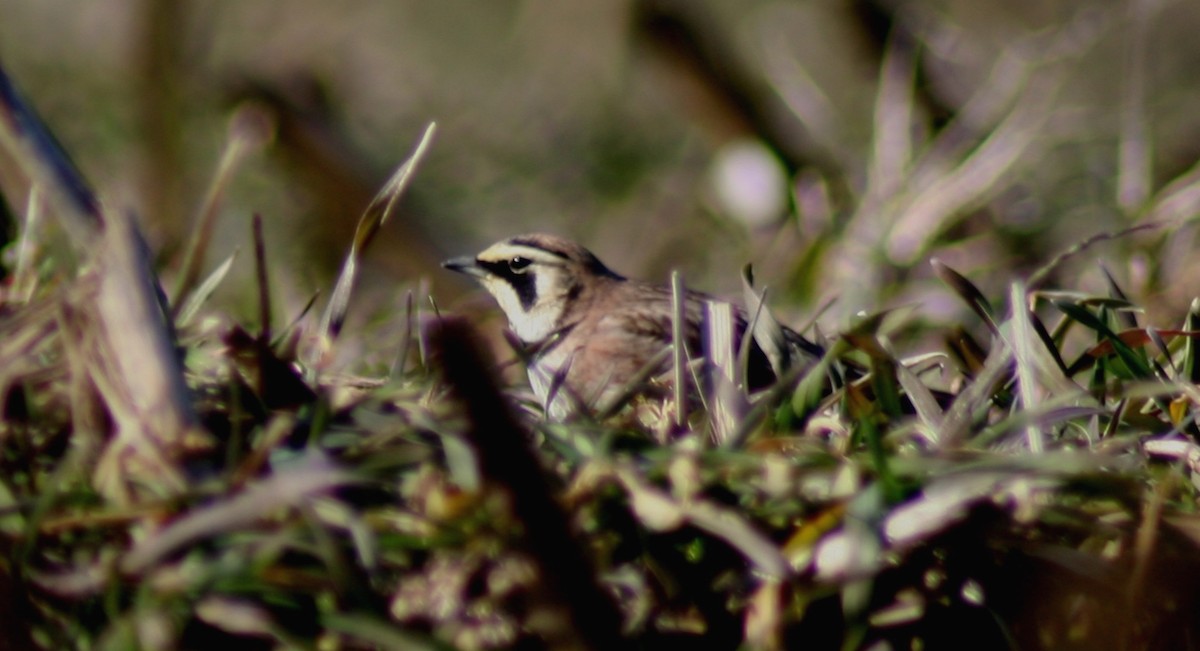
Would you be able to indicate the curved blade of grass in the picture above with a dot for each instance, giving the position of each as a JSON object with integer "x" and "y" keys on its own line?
{"x": 927, "y": 211}
{"x": 1128, "y": 320}
{"x": 1179, "y": 201}
{"x": 1165, "y": 351}
{"x": 967, "y": 291}
{"x": 1043, "y": 274}
{"x": 922, "y": 399}
{"x": 767, "y": 332}
{"x": 204, "y": 290}
{"x": 811, "y": 389}
{"x": 381, "y": 207}
{"x": 1024, "y": 353}
{"x": 957, "y": 423}
{"x": 42, "y": 158}
{"x": 247, "y": 131}
{"x": 1048, "y": 341}
{"x": 658, "y": 509}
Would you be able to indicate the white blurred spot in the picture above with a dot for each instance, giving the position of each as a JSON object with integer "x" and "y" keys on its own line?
{"x": 750, "y": 182}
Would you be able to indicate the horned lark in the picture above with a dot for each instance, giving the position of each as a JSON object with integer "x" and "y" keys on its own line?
{"x": 589, "y": 330}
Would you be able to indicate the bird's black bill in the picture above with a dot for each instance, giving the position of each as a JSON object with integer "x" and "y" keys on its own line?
{"x": 464, "y": 265}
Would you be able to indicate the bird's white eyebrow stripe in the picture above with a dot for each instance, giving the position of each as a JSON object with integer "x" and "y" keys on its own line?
{"x": 531, "y": 244}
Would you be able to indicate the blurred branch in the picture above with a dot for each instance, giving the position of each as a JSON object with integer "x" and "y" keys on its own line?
{"x": 507, "y": 461}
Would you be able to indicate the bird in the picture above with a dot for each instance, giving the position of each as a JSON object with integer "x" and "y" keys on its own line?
{"x": 588, "y": 330}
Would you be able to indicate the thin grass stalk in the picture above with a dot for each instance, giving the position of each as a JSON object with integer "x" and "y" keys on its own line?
{"x": 679, "y": 351}
{"x": 373, "y": 218}
{"x": 264, "y": 284}
{"x": 25, "y": 274}
{"x": 196, "y": 299}
{"x": 1023, "y": 350}
{"x": 400, "y": 363}
{"x": 724, "y": 396}
{"x": 245, "y": 134}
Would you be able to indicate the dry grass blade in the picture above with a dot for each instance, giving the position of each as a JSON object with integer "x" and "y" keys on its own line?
{"x": 400, "y": 363}
{"x": 941, "y": 503}
{"x": 766, "y": 331}
{"x": 203, "y": 291}
{"x": 138, "y": 365}
{"x": 37, "y": 152}
{"x": 733, "y": 528}
{"x": 264, "y": 286}
{"x": 728, "y": 405}
{"x": 248, "y": 130}
{"x": 25, "y": 338}
{"x": 678, "y": 352}
{"x": 286, "y": 488}
{"x": 1148, "y": 532}
{"x": 1043, "y": 273}
{"x": 966, "y": 290}
{"x": 1022, "y": 345}
{"x": 1006, "y": 79}
{"x": 381, "y": 207}
{"x": 25, "y": 274}
{"x": 923, "y": 401}
{"x": 957, "y": 423}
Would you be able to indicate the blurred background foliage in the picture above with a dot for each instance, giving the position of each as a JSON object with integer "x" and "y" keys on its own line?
{"x": 836, "y": 145}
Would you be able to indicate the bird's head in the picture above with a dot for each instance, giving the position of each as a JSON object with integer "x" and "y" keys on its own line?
{"x": 536, "y": 279}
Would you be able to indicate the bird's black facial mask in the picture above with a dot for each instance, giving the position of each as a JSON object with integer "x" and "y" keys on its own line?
{"x": 524, "y": 284}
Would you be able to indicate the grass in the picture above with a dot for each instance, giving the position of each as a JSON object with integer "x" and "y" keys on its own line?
{"x": 172, "y": 479}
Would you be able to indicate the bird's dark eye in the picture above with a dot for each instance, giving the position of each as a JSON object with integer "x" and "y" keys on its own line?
{"x": 518, "y": 265}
